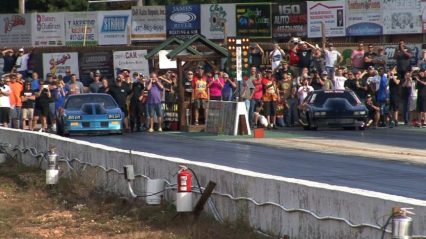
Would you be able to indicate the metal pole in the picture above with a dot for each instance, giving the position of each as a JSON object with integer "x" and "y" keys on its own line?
{"x": 21, "y": 6}
{"x": 85, "y": 25}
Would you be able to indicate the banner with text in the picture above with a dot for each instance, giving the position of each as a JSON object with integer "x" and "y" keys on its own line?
{"x": 416, "y": 50}
{"x": 254, "y": 20}
{"x": 93, "y": 61}
{"x": 216, "y": 19}
{"x": 15, "y": 30}
{"x": 183, "y": 21}
{"x": 423, "y": 16}
{"x": 58, "y": 63}
{"x": 363, "y": 18}
{"x": 114, "y": 27}
{"x": 289, "y": 20}
{"x": 149, "y": 23}
{"x": 81, "y": 28}
{"x": 48, "y": 29}
{"x": 401, "y": 16}
{"x": 134, "y": 60}
{"x": 331, "y": 13}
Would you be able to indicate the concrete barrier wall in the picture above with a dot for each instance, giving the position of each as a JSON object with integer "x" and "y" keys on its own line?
{"x": 355, "y": 205}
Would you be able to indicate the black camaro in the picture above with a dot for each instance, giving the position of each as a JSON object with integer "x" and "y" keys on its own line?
{"x": 339, "y": 108}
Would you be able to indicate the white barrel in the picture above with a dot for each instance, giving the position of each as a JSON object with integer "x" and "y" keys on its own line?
{"x": 52, "y": 176}
{"x": 184, "y": 202}
{"x": 154, "y": 186}
{"x": 2, "y": 158}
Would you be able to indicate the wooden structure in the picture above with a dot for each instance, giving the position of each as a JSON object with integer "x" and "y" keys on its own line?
{"x": 186, "y": 55}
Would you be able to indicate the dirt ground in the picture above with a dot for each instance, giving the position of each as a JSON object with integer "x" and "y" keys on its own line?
{"x": 31, "y": 209}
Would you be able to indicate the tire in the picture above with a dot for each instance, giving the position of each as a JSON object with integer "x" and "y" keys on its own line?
{"x": 59, "y": 130}
{"x": 310, "y": 127}
{"x": 350, "y": 128}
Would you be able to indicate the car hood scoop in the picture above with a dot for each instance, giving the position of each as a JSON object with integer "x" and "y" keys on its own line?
{"x": 93, "y": 109}
{"x": 337, "y": 104}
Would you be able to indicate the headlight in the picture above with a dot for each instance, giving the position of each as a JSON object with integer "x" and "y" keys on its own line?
{"x": 320, "y": 113}
{"x": 114, "y": 116}
{"x": 360, "y": 112}
{"x": 74, "y": 117}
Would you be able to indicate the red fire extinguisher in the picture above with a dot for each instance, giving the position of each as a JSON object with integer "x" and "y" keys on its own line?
{"x": 184, "y": 194}
{"x": 184, "y": 179}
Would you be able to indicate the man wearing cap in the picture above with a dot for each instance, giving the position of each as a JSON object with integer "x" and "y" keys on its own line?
{"x": 369, "y": 57}
{"x": 120, "y": 92}
{"x": 16, "y": 89}
{"x": 4, "y": 102}
{"x": 200, "y": 94}
{"x": 9, "y": 60}
{"x": 304, "y": 52}
{"x": 339, "y": 80}
{"x": 22, "y": 63}
{"x": 28, "y": 103}
{"x": 67, "y": 77}
{"x": 126, "y": 75}
{"x": 421, "y": 98}
{"x": 96, "y": 84}
{"x": 155, "y": 87}
{"x": 380, "y": 61}
{"x": 332, "y": 59}
{"x": 402, "y": 56}
{"x": 136, "y": 105}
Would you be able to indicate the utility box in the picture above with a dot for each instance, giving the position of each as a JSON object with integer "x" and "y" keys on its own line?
{"x": 259, "y": 133}
{"x": 129, "y": 173}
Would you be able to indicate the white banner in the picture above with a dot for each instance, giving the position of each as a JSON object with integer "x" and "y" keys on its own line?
{"x": 149, "y": 23}
{"x": 80, "y": 27}
{"x": 216, "y": 18}
{"x": 363, "y": 18}
{"x": 48, "y": 29}
{"x": 401, "y": 16}
{"x": 57, "y": 63}
{"x": 332, "y": 13}
{"x": 114, "y": 27}
{"x": 15, "y": 30}
{"x": 424, "y": 16}
{"x": 134, "y": 60}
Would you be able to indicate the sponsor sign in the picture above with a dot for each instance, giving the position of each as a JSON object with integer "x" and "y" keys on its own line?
{"x": 149, "y": 23}
{"x": 81, "y": 27}
{"x": 254, "y": 20}
{"x": 423, "y": 6}
{"x": 48, "y": 29}
{"x": 15, "y": 30}
{"x": 133, "y": 60}
{"x": 58, "y": 63}
{"x": 289, "y": 20}
{"x": 331, "y": 13}
{"x": 416, "y": 50}
{"x": 114, "y": 27}
{"x": 92, "y": 61}
{"x": 217, "y": 20}
{"x": 363, "y": 18}
{"x": 401, "y": 16}
{"x": 183, "y": 21}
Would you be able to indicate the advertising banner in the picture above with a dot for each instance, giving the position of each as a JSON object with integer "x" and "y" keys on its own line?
{"x": 289, "y": 20}
{"x": 149, "y": 23}
{"x": 254, "y": 20}
{"x": 15, "y": 30}
{"x": 81, "y": 27}
{"x": 58, "y": 63}
{"x": 133, "y": 60}
{"x": 416, "y": 50}
{"x": 423, "y": 16}
{"x": 114, "y": 27}
{"x": 218, "y": 18}
{"x": 401, "y": 16}
{"x": 363, "y": 18}
{"x": 48, "y": 29}
{"x": 93, "y": 61}
{"x": 331, "y": 13}
{"x": 183, "y": 21}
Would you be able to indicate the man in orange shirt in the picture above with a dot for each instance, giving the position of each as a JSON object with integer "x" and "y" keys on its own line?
{"x": 200, "y": 94}
{"x": 270, "y": 98}
{"x": 16, "y": 89}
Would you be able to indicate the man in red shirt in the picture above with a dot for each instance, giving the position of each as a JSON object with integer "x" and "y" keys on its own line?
{"x": 270, "y": 98}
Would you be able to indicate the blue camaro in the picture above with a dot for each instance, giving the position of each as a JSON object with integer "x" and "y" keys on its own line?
{"x": 90, "y": 113}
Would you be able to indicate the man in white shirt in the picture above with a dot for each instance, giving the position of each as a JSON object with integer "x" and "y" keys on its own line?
{"x": 4, "y": 103}
{"x": 339, "y": 80}
{"x": 304, "y": 90}
{"x": 22, "y": 63}
{"x": 332, "y": 59}
{"x": 276, "y": 56}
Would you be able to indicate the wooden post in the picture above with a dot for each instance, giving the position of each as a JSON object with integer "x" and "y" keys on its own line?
{"x": 203, "y": 199}
{"x": 181, "y": 96}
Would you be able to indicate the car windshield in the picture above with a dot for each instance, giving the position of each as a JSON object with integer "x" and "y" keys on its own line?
{"x": 318, "y": 98}
{"x": 75, "y": 102}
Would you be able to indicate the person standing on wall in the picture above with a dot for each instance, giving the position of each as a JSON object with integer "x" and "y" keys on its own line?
{"x": 155, "y": 88}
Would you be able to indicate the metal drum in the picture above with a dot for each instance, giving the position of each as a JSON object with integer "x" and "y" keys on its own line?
{"x": 402, "y": 227}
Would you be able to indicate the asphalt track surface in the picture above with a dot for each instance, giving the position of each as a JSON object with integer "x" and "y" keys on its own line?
{"x": 392, "y": 177}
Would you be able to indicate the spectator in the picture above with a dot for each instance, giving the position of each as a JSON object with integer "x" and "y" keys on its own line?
{"x": 304, "y": 90}
{"x": 422, "y": 62}
{"x": 43, "y": 99}
{"x": 283, "y": 68}
{"x": 402, "y": 56}
{"x": 136, "y": 104}
{"x": 67, "y": 77}
{"x": 357, "y": 58}
{"x": 373, "y": 112}
{"x": 9, "y": 60}
{"x": 215, "y": 86}
{"x": 59, "y": 95}
{"x": 22, "y": 63}
{"x": 155, "y": 87}
{"x": 248, "y": 88}
{"x": 28, "y": 103}
{"x": 255, "y": 55}
{"x": 187, "y": 84}
{"x": 127, "y": 79}
{"x": 200, "y": 94}
{"x": 276, "y": 56}
{"x": 369, "y": 57}
{"x": 290, "y": 95}
{"x": 382, "y": 96}
{"x": 351, "y": 82}
{"x": 119, "y": 92}
{"x": 105, "y": 86}
{"x": 35, "y": 81}
{"x": 381, "y": 60}
{"x": 96, "y": 84}
{"x": 4, "y": 102}
{"x": 408, "y": 97}
{"x": 318, "y": 61}
{"x": 394, "y": 95}
{"x": 229, "y": 88}
{"x": 421, "y": 98}
{"x": 170, "y": 87}
{"x": 270, "y": 98}
{"x": 332, "y": 59}
{"x": 339, "y": 80}
{"x": 304, "y": 52}
{"x": 75, "y": 87}
{"x": 373, "y": 81}
{"x": 256, "y": 96}
{"x": 16, "y": 89}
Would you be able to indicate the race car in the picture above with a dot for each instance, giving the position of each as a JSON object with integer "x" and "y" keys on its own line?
{"x": 339, "y": 108}
{"x": 90, "y": 113}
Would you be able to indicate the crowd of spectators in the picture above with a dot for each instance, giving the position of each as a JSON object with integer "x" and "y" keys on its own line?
{"x": 272, "y": 95}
